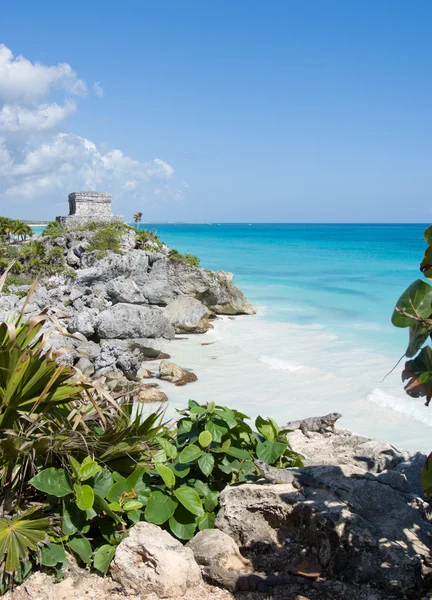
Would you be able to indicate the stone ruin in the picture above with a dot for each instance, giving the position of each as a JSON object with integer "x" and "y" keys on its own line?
{"x": 89, "y": 207}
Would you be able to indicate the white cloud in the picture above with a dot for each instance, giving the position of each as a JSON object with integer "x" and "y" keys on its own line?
{"x": 40, "y": 165}
{"x": 14, "y": 117}
{"x": 72, "y": 162}
{"x": 98, "y": 89}
{"x": 24, "y": 81}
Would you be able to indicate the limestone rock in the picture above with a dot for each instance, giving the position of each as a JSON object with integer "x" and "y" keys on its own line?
{"x": 188, "y": 315}
{"x": 125, "y": 321}
{"x": 144, "y": 373}
{"x": 151, "y": 394}
{"x": 381, "y": 534}
{"x": 169, "y": 371}
{"x": 151, "y": 560}
{"x": 125, "y": 290}
{"x": 83, "y": 322}
{"x": 215, "y": 548}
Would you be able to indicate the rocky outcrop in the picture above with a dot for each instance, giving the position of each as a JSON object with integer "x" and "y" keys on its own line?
{"x": 171, "y": 372}
{"x": 151, "y": 560}
{"x": 188, "y": 315}
{"x": 120, "y": 308}
{"x": 126, "y": 321}
{"x": 362, "y": 525}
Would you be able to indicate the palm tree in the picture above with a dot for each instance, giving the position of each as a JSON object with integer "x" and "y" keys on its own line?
{"x": 21, "y": 229}
{"x": 138, "y": 217}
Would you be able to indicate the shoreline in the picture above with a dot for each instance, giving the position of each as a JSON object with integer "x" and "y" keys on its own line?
{"x": 263, "y": 384}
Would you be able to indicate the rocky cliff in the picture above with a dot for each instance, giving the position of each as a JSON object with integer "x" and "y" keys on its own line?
{"x": 120, "y": 306}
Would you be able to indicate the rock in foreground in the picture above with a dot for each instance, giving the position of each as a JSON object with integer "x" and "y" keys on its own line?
{"x": 151, "y": 560}
{"x": 379, "y": 533}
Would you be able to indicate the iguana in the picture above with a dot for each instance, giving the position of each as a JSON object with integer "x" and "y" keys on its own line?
{"x": 296, "y": 478}
{"x": 320, "y": 424}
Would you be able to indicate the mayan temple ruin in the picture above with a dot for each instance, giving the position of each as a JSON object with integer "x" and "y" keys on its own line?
{"x": 89, "y": 207}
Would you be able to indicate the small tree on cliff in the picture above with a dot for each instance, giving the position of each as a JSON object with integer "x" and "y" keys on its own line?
{"x": 138, "y": 217}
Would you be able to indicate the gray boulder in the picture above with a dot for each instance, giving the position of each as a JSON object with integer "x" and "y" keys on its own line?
{"x": 188, "y": 315}
{"x": 83, "y": 322}
{"x": 150, "y": 560}
{"x": 124, "y": 321}
{"x": 125, "y": 290}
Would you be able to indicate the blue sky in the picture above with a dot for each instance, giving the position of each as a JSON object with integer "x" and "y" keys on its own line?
{"x": 283, "y": 111}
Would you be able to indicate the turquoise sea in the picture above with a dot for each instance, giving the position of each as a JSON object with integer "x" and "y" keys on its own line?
{"x": 322, "y": 339}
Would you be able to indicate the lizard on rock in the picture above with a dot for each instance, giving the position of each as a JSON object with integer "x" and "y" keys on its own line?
{"x": 319, "y": 424}
{"x": 296, "y": 478}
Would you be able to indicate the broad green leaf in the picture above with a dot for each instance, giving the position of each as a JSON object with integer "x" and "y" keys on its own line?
{"x": 52, "y": 554}
{"x": 190, "y": 499}
{"x": 211, "y": 406}
{"x": 205, "y": 439}
{"x": 206, "y": 521}
{"x": 197, "y": 410}
{"x": 238, "y": 453}
{"x": 135, "y": 481}
{"x": 101, "y": 506}
{"x": 415, "y": 299}
{"x": 160, "y": 508}
{"x": 115, "y": 506}
{"x": 202, "y": 488}
{"x": 211, "y": 501}
{"x": 426, "y": 263}
{"x": 52, "y": 481}
{"x": 189, "y": 454}
{"x": 265, "y": 428}
{"x": 182, "y": 524}
{"x": 117, "y": 490}
{"x": 418, "y": 335}
{"x": 73, "y": 518}
{"x": 103, "y": 482}
{"x": 179, "y": 470}
{"x": 426, "y": 476}
{"x": 418, "y": 371}
{"x": 269, "y": 452}
{"x": 186, "y": 424}
{"x": 84, "y": 496}
{"x": 134, "y": 515}
{"x": 217, "y": 428}
{"x": 88, "y": 469}
{"x": 132, "y": 505}
{"x": 167, "y": 475}
{"x": 160, "y": 456}
{"x": 75, "y": 466}
{"x": 81, "y": 546}
{"x": 169, "y": 449}
{"x": 428, "y": 235}
{"x": 206, "y": 463}
{"x": 103, "y": 557}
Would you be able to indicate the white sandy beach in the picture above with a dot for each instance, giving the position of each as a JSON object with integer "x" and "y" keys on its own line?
{"x": 288, "y": 371}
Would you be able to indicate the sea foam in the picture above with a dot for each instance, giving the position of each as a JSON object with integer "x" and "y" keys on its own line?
{"x": 407, "y": 406}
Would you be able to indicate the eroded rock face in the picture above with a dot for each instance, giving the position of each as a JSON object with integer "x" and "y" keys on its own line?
{"x": 188, "y": 315}
{"x": 362, "y": 525}
{"x": 151, "y": 560}
{"x": 125, "y": 321}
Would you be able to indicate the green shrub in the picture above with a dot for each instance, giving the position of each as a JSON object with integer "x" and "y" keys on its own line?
{"x": 107, "y": 238}
{"x": 54, "y": 229}
{"x": 149, "y": 238}
{"x": 189, "y": 259}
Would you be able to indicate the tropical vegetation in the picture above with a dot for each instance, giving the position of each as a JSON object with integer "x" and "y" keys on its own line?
{"x": 78, "y": 468}
{"x": 413, "y": 311}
